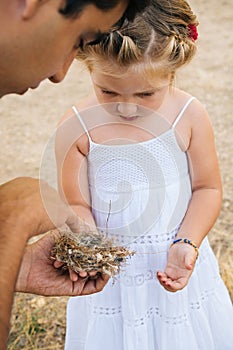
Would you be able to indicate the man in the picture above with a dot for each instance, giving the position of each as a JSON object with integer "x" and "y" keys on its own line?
{"x": 39, "y": 40}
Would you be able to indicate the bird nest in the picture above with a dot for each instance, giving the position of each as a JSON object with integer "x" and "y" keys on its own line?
{"x": 89, "y": 251}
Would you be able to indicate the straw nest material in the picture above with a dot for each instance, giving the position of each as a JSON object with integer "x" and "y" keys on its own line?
{"x": 88, "y": 251}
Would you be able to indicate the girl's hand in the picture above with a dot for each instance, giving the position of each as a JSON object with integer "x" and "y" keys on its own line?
{"x": 180, "y": 265}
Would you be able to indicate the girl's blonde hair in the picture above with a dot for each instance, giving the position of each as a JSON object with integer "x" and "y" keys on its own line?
{"x": 158, "y": 41}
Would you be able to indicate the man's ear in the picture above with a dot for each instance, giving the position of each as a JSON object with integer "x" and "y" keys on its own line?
{"x": 30, "y": 8}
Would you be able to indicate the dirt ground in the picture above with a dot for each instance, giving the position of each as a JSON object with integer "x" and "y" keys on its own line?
{"x": 27, "y": 122}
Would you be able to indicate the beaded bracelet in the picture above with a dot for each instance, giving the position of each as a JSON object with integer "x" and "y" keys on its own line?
{"x": 186, "y": 240}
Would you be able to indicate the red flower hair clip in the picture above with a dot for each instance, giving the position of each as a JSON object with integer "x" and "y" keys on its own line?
{"x": 193, "y": 34}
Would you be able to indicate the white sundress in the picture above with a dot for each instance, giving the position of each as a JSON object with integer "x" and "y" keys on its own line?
{"x": 148, "y": 186}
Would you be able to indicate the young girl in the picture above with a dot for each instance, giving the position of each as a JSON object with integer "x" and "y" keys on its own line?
{"x": 137, "y": 159}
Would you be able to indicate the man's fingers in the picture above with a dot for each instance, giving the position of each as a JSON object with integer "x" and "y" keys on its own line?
{"x": 57, "y": 264}
{"x": 73, "y": 275}
{"x": 101, "y": 282}
{"x": 95, "y": 285}
{"x": 83, "y": 274}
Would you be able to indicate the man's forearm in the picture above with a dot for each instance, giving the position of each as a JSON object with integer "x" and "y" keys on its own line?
{"x": 12, "y": 245}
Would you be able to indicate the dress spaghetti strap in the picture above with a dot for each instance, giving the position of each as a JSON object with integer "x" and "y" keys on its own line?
{"x": 81, "y": 121}
{"x": 182, "y": 112}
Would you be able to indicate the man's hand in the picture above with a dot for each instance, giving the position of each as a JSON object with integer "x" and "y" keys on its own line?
{"x": 180, "y": 265}
{"x": 39, "y": 276}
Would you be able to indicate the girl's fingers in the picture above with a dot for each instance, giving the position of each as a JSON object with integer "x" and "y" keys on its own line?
{"x": 189, "y": 264}
{"x": 161, "y": 274}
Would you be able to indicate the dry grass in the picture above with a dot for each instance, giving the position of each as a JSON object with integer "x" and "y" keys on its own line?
{"x": 223, "y": 248}
{"x": 221, "y": 240}
{"x": 37, "y": 323}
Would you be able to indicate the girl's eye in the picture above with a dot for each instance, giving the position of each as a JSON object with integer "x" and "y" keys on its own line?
{"x": 107, "y": 92}
{"x": 146, "y": 94}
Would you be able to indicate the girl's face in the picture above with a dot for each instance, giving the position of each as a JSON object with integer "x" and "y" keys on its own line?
{"x": 130, "y": 91}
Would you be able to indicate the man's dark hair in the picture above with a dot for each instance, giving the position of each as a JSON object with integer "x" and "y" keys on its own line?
{"x": 72, "y": 8}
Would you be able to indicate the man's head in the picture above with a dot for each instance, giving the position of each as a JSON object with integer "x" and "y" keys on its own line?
{"x": 39, "y": 38}
{"x": 74, "y": 7}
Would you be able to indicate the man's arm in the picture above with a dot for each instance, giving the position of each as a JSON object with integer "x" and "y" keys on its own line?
{"x": 23, "y": 214}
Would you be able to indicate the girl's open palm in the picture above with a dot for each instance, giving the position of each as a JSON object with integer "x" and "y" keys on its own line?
{"x": 180, "y": 265}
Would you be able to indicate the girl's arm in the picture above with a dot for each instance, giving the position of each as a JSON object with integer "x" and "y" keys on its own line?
{"x": 205, "y": 203}
{"x": 72, "y": 174}
{"x": 72, "y": 168}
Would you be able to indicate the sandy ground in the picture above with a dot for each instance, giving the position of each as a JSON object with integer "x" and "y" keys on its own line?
{"x": 27, "y": 122}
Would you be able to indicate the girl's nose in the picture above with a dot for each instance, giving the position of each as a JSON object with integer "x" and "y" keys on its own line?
{"x": 60, "y": 74}
{"x": 127, "y": 109}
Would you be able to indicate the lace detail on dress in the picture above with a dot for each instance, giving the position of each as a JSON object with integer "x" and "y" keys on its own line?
{"x": 196, "y": 305}
{"x": 150, "y": 313}
{"x": 156, "y": 312}
{"x": 137, "y": 280}
{"x": 107, "y": 311}
{"x": 144, "y": 239}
